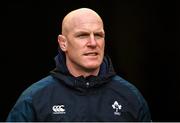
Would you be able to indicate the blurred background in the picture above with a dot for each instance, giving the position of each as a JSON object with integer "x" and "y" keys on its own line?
{"x": 142, "y": 39}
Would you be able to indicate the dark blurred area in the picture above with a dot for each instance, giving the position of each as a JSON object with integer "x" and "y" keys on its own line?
{"x": 142, "y": 38}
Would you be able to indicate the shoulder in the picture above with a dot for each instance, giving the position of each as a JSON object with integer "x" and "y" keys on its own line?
{"x": 127, "y": 89}
{"x": 38, "y": 87}
{"x": 23, "y": 110}
{"x": 132, "y": 96}
{"x": 124, "y": 83}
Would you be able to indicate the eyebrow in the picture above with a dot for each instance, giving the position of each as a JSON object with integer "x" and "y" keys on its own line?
{"x": 84, "y": 32}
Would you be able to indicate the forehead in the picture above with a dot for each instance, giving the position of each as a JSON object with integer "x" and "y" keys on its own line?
{"x": 87, "y": 25}
{"x": 90, "y": 23}
{"x": 83, "y": 21}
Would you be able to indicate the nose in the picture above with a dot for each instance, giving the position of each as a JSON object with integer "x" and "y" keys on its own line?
{"x": 92, "y": 41}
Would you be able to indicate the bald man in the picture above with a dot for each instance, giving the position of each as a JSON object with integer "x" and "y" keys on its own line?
{"x": 84, "y": 85}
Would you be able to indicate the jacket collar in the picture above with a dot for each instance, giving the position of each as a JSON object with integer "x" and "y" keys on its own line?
{"x": 61, "y": 73}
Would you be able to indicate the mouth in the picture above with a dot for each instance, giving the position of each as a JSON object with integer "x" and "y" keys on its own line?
{"x": 91, "y": 54}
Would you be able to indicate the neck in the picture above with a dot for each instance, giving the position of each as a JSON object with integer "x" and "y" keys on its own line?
{"x": 78, "y": 71}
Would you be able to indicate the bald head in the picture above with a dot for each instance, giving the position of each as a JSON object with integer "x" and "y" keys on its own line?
{"x": 82, "y": 41}
{"x": 79, "y": 16}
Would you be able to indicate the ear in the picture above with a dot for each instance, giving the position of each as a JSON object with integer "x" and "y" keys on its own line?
{"x": 62, "y": 42}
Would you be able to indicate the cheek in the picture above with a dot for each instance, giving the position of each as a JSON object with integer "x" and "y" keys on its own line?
{"x": 102, "y": 45}
{"x": 74, "y": 49}
{"x": 71, "y": 46}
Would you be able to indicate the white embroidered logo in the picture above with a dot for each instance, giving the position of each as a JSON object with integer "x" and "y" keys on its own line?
{"x": 58, "y": 109}
{"x": 117, "y": 107}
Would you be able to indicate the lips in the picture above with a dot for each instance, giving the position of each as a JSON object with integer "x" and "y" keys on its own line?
{"x": 91, "y": 54}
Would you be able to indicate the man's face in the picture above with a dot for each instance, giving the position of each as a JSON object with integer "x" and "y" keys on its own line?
{"x": 85, "y": 44}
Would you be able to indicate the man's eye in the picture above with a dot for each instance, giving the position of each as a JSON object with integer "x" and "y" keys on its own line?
{"x": 99, "y": 35}
{"x": 82, "y": 35}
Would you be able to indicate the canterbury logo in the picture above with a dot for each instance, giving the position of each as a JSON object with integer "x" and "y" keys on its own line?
{"x": 58, "y": 109}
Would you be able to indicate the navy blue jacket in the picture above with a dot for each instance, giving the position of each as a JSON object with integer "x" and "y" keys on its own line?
{"x": 63, "y": 97}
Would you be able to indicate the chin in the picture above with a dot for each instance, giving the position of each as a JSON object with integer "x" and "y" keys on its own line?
{"x": 92, "y": 66}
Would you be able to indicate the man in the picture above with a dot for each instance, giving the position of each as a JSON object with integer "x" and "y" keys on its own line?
{"x": 84, "y": 85}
